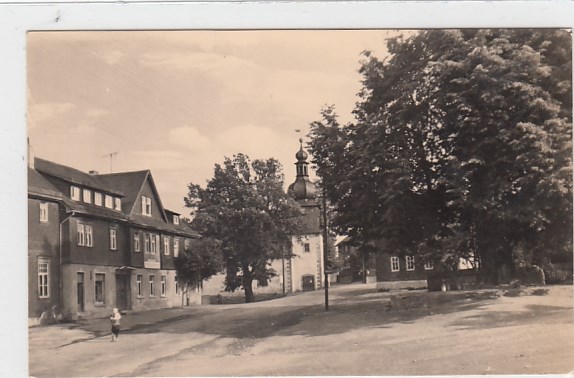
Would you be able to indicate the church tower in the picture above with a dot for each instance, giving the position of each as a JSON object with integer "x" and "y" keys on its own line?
{"x": 304, "y": 271}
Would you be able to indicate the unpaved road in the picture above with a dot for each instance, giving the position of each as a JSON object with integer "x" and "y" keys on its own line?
{"x": 477, "y": 334}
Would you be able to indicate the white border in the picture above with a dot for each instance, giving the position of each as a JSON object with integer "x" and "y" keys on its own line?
{"x": 17, "y": 18}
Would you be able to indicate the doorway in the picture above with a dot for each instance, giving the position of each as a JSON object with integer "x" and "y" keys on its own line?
{"x": 80, "y": 291}
{"x": 123, "y": 291}
{"x": 308, "y": 283}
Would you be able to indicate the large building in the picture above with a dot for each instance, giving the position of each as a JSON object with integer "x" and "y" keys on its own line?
{"x": 98, "y": 241}
{"x": 304, "y": 270}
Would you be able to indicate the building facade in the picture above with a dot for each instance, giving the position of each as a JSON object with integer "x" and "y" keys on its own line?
{"x": 98, "y": 241}
{"x": 304, "y": 270}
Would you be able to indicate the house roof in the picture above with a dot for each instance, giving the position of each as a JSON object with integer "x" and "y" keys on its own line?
{"x": 73, "y": 175}
{"x": 127, "y": 185}
{"x": 38, "y": 185}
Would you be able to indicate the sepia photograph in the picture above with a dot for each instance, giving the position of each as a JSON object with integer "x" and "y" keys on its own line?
{"x": 300, "y": 202}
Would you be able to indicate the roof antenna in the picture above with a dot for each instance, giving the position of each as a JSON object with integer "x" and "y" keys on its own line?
{"x": 111, "y": 156}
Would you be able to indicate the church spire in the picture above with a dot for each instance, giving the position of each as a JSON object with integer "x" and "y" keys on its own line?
{"x": 302, "y": 189}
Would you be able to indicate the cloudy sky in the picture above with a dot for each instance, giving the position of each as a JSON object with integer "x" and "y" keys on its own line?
{"x": 178, "y": 102}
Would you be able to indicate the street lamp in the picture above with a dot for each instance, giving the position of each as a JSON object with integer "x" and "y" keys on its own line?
{"x": 325, "y": 249}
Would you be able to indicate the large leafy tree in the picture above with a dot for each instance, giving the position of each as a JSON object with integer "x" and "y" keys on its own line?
{"x": 461, "y": 146}
{"x": 200, "y": 260}
{"x": 245, "y": 208}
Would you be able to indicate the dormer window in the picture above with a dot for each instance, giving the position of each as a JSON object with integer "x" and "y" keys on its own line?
{"x": 97, "y": 199}
{"x": 118, "y": 203}
{"x": 87, "y": 195}
{"x": 75, "y": 193}
{"x": 109, "y": 202}
{"x": 176, "y": 219}
{"x": 146, "y": 206}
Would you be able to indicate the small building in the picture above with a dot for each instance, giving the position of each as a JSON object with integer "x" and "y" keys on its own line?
{"x": 98, "y": 241}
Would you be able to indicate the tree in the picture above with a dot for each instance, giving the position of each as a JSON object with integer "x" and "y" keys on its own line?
{"x": 200, "y": 260}
{"x": 246, "y": 210}
{"x": 461, "y": 147}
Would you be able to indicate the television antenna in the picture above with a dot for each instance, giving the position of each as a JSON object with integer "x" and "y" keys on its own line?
{"x": 111, "y": 156}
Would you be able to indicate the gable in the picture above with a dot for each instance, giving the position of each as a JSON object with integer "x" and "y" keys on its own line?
{"x": 148, "y": 190}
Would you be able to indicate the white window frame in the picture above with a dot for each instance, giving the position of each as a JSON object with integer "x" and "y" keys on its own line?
{"x": 153, "y": 244}
{"x": 103, "y": 276}
{"x": 109, "y": 201}
{"x": 395, "y": 264}
{"x": 176, "y": 219}
{"x": 118, "y": 204}
{"x": 74, "y": 193}
{"x": 410, "y": 263}
{"x": 113, "y": 239}
{"x": 97, "y": 198}
{"x": 146, "y": 206}
{"x": 87, "y": 195}
{"x": 151, "y": 280}
{"x": 43, "y": 277}
{"x": 139, "y": 285}
{"x": 137, "y": 246}
{"x": 163, "y": 284}
{"x": 89, "y": 235}
{"x": 175, "y": 247}
{"x": 428, "y": 265}
{"x": 166, "y": 245}
{"x": 147, "y": 242}
{"x": 44, "y": 212}
{"x": 81, "y": 234}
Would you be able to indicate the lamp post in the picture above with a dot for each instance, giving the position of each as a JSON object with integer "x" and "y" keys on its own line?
{"x": 325, "y": 250}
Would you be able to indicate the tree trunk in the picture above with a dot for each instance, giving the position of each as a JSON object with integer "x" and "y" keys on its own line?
{"x": 247, "y": 286}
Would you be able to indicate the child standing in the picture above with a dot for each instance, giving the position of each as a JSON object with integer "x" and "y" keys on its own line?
{"x": 115, "y": 319}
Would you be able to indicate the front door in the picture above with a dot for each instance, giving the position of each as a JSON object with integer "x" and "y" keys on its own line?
{"x": 123, "y": 292}
{"x": 308, "y": 283}
{"x": 80, "y": 291}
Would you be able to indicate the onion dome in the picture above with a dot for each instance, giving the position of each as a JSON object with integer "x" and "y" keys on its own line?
{"x": 302, "y": 189}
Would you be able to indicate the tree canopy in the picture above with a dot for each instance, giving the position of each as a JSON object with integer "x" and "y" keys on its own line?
{"x": 245, "y": 208}
{"x": 461, "y": 146}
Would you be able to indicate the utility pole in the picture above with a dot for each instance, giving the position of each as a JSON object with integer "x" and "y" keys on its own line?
{"x": 111, "y": 156}
{"x": 325, "y": 249}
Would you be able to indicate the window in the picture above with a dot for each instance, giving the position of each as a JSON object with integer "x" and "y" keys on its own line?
{"x": 166, "y": 245}
{"x": 43, "y": 212}
{"x": 81, "y": 234}
{"x": 146, "y": 205}
{"x": 113, "y": 239}
{"x": 100, "y": 288}
{"x": 163, "y": 285}
{"x": 139, "y": 287}
{"x": 87, "y": 195}
{"x": 151, "y": 286}
{"x": 109, "y": 202}
{"x": 43, "y": 278}
{"x": 175, "y": 247}
{"x": 395, "y": 264}
{"x": 176, "y": 219}
{"x": 136, "y": 241}
{"x": 307, "y": 247}
{"x": 153, "y": 247}
{"x": 118, "y": 203}
{"x": 97, "y": 199}
{"x": 428, "y": 265}
{"x": 146, "y": 243}
{"x": 75, "y": 193}
{"x": 410, "y": 263}
{"x": 89, "y": 236}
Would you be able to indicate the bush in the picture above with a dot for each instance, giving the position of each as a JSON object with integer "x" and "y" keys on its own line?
{"x": 558, "y": 274}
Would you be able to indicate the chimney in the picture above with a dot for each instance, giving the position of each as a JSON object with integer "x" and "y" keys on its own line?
{"x": 94, "y": 172}
{"x": 30, "y": 155}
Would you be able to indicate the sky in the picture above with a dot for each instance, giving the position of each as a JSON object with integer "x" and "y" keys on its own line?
{"x": 177, "y": 102}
